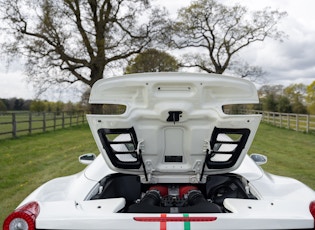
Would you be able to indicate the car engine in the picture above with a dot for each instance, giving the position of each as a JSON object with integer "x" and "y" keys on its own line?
{"x": 173, "y": 198}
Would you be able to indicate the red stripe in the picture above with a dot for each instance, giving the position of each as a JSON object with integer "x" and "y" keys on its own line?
{"x": 163, "y": 223}
{"x": 164, "y": 219}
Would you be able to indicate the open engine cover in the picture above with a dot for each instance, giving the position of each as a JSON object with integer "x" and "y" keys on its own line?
{"x": 173, "y": 126}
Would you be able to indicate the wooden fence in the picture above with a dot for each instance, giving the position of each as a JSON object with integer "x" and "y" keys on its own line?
{"x": 23, "y": 123}
{"x": 297, "y": 122}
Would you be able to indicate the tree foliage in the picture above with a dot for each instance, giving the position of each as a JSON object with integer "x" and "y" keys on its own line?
{"x": 270, "y": 89}
{"x": 3, "y": 107}
{"x": 284, "y": 105}
{"x": 17, "y": 104}
{"x": 310, "y": 97}
{"x": 152, "y": 60}
{"x": 220, "y": 32}
{"x": 76, "y": 40}
{"x": 290, "y": 99}
{"x": 296, "y": 94}
{"x": 37, "y": 106}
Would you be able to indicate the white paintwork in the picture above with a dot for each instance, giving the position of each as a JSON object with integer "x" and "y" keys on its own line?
{"x": 283, "y": 203}
{"x": 149, "y": 98}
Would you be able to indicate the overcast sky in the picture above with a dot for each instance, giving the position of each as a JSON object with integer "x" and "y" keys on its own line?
{"x": 292, "y": 61}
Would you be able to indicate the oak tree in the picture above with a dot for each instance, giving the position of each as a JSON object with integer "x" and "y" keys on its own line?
{"x": 218, "y": 32}
{"x": 76, "y": 40}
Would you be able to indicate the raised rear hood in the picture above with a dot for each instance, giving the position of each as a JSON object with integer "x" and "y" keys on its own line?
{"x": 173, "y": 126}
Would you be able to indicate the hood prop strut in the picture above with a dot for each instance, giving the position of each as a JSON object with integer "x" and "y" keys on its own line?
{"x": 203, "y": 166}
{"x": 139, "y": 152}
{"x": 143, "y": 165}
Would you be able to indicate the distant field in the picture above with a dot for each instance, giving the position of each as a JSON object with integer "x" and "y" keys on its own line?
{"x": 29, "y": 161}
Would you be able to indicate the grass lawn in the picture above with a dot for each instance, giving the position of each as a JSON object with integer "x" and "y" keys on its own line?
{"x": 29, "y": 161}
{"x": 289, "y": 153}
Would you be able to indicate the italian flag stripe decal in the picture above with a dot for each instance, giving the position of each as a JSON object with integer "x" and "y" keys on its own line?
{"x": 163, "y": 223}
{"x": 187, "y": 223}
{"x": 175, "y": 223}
{"x": 180, "y": 221}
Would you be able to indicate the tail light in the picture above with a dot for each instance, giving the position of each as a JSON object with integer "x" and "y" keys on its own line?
{"x": 312, "y": 210}
{"x": 22, "y": 218}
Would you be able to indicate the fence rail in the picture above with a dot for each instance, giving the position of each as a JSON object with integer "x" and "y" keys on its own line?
{"x": 23, "y": 123}
{"x": 297, "y": 122}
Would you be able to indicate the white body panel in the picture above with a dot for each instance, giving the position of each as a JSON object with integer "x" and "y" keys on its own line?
{"x": 283, "y": 204}
{"x": 175, "y": 118}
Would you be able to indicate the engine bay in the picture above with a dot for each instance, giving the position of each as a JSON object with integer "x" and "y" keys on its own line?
{"x": 173, "y": 198}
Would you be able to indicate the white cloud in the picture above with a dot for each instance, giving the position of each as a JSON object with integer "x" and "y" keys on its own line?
{"x": 292, "y": 61}
{"x": 13, "y": 84}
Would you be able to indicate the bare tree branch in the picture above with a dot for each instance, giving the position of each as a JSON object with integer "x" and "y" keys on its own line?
{"x": 75, "y": 40}
{"x": 221, "y": 32}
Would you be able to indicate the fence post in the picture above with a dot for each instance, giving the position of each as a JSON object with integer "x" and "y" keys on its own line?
{"x": 13, "y": 125}
{"x": 44, "y": 122}
{"x": 297, "y": 122}
{"x": 288, "y": 117}
{"x": 63, "y": 120}
{"x": 273, "y": 117}
{"x": 307, "y": 122}
{"x": 54, "y": 118}
{"x": 30, "y": 123}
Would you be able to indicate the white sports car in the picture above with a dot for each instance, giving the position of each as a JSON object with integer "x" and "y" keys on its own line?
{"x": 171, "y": 160}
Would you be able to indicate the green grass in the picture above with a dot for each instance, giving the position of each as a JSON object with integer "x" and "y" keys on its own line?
{"x": 29, "y": 161}
{"x": 289, "y": 153}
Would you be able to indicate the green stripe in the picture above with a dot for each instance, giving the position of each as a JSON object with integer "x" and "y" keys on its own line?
{"x": 186, "y": 224}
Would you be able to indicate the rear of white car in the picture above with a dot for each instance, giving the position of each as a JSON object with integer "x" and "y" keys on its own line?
{"x": 172, "y": 160}
{"x": 97, "y": 215}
